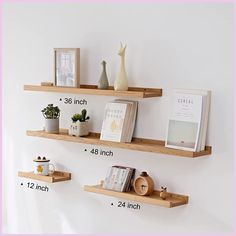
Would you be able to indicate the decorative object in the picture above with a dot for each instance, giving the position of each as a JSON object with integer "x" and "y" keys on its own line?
{"x": 67, "y": 67}
{"x": 46, "y": 84}
{"x": 163, "y": 193}
{"x": 41, "y": 166}
{"x": 121, "y": 81}
{"x": 79, "y": 127}
{"x": 103, "y": 81}
{"x": 143, "y": 184}
{"x": 51, "y": 115}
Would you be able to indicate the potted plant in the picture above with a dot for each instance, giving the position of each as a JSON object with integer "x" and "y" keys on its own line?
{"x": 51, "y": 114}
{"x": 79, "y": 126}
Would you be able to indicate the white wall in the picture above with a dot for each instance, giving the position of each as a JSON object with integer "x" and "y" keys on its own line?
{"x": 168, "y": 45}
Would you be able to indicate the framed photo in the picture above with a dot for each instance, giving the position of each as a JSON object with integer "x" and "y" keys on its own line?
{"x": 67, "y": 67}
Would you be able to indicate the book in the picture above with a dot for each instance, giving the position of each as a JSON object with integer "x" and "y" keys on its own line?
{"x": 131, "y": 120}
{"x": 119, "y": 121}
{"x": 130, "y": 180}
{"x": 206, "y": 96}
{"x": 113, "y": 122}
{"x": 184, "y": 121}
{"x": 119, "y": 178}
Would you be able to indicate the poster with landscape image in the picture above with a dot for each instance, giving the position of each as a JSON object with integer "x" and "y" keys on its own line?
{"x": 182, "y": 134}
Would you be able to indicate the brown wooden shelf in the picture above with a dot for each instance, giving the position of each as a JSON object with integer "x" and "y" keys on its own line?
{"x": 93, "y": 90}
{"x": 138, "y": 144}
{"x": 172, "y": 201}
{"x": 57, "y": 176}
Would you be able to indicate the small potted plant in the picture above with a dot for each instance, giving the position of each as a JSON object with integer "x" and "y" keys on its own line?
{"x": 51, "y": 114}
{"x": 79, "y": 127}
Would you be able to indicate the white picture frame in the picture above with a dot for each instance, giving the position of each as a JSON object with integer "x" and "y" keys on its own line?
{"x": 67, "y": 67}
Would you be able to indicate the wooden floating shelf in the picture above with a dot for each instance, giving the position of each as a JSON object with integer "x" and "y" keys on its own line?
{"x": 57, "y": 176}
{"x": 172, "y": 201}
{"x": 93, "y": 90}
{"x": 138, "y": 144}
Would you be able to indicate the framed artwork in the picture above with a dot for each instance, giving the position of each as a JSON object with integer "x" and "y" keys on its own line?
{"x": 67, "y": 67}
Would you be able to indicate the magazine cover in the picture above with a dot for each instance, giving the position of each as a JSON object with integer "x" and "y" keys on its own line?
{"x": 184, "y": 121}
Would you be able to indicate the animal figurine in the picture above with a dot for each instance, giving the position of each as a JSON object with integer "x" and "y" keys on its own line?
{"x": 163, "y": 193}
{"x": 121, "y": 81}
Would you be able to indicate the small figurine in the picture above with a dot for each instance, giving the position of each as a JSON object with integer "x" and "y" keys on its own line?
{"x": 103, "y": 81}
{"x": 121, "y": 81}
{"x": 163, "y": 193}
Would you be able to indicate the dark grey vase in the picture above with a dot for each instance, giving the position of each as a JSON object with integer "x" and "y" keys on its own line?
{"x": 103, "y": 81}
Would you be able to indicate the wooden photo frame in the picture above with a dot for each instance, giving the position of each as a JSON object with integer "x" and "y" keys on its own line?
{"x": 67, "y": 67}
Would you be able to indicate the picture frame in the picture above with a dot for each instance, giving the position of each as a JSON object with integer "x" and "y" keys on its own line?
{"x": 67, "y": 67}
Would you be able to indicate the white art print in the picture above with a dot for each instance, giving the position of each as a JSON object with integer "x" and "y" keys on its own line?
{"x": 67, "y": 67}
{"x": 184, "y": 121}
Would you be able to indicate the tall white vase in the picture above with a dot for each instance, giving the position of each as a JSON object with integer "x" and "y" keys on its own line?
{"x": 121, "y": 81}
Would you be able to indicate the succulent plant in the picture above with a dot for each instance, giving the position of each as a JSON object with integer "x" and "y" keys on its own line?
{"x": 51, "y": 112}
{"x": 80, "y": 117}
{"x": 76, "y": 117}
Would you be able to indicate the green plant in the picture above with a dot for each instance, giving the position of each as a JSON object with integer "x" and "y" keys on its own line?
{"x": 76, "y": 117}
{"x": 80, "y": 117}
{"x": 51, "y": 112}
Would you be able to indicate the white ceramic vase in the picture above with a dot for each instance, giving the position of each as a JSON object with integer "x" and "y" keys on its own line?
{"x": 121, "y": 81}
{"x": 79, "y": 129}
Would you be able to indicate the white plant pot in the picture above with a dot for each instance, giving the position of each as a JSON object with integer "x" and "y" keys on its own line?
{"x": 52, "y": 126}
{"x": 79, "y": 129}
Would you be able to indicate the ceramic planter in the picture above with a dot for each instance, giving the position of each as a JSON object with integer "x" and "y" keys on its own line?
{"x": 79, "y": 128}
{"x": 52, "y": 126}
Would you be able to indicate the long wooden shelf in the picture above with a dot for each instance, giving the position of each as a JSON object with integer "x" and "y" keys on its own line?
{"x": 93, "y": 90}
{"x": 138, "y": 144}
{"x": 173, "y": 199}
{"x": 57, "y": 176}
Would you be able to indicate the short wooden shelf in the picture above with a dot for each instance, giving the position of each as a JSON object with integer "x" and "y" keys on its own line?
{"x": 138, "y": 144}
{"x": 93, "y": 90}
{"x": 57, "y": 176}
{"x": 172, "y": 201}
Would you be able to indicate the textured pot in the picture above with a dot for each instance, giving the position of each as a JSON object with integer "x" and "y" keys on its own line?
{"x": 79, "y": 129}
{"x": 52, "y": 126}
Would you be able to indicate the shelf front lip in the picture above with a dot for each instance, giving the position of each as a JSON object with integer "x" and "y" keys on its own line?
{"x": 182, "y": 199}
{"x": 139, "y": 144}
{"x": 64, "y": 176}
{"x": 92, "y": 90}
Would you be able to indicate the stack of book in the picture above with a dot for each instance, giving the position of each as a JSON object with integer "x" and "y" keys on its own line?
{"x": 188, "y": 119}
{"x": 119, "y": 121}
{"x": 119, "y": 178}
